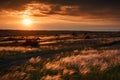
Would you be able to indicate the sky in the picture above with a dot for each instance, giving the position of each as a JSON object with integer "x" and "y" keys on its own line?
{"x": 90, "y": 15}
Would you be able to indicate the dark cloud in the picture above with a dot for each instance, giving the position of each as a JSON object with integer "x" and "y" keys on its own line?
{"x": 84, "y": 4}
{"x": 103, "y": 9}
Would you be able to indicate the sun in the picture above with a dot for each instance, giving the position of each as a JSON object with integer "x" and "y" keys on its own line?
{"x": 27, "y": 22}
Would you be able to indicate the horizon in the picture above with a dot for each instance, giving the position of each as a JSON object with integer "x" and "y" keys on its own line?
{"x": 62, "y": 30}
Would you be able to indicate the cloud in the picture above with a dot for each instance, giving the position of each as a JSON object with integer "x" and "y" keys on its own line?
{"x": 13, "y": 4}
{"x": 90, "y": 9}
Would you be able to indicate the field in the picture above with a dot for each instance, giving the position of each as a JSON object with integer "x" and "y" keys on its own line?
{"x": 59, "y": 55}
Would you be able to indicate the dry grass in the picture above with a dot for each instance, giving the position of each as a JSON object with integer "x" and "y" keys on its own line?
{"x": 87, "y": 64}
{"x": 92, "y": 56}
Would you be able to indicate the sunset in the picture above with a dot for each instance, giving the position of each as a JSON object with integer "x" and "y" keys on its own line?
{"x": 27, "y": 22}
{"x": 59, "y": 40}
{"x": 79, "y": 15}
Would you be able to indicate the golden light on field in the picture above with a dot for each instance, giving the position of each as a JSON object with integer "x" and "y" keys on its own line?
{"x": 27, "y": 22}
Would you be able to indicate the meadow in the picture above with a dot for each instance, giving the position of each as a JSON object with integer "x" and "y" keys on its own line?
{"x": 59, "y": 55}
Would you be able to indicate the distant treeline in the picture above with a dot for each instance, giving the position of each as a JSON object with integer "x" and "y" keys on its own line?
{"x": 45, "y": 32}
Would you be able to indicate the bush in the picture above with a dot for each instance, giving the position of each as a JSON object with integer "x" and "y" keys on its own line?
{"x": 31, "y": 42}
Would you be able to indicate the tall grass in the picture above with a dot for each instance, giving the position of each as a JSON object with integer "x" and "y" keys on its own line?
{"x": 87, "y": 65}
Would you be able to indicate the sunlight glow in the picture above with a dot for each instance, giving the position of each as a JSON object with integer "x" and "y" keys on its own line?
{"x": 27, "y": 22}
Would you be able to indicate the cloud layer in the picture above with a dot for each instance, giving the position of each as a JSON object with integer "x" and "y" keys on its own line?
{"x": 87, "y": 9}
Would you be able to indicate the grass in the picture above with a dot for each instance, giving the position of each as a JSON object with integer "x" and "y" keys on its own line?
{"x": 84, "y": 66}
{"x": 111, "y": 43}
{"x": 66, "y": 59}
